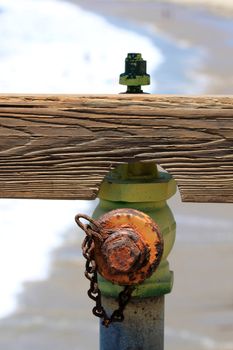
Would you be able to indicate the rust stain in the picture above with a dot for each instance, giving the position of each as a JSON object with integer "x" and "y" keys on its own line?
{"x": 132, "y": 247}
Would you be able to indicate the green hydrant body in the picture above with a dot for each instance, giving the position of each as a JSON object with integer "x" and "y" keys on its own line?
{"x": 139, "y": 186}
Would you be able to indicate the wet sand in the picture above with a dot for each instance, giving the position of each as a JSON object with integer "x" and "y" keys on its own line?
{"x": 223, "y": 7}
{"x": 54, "y": 313}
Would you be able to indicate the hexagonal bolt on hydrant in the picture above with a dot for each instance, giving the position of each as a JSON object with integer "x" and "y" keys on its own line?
{"x": 135, "y": 74}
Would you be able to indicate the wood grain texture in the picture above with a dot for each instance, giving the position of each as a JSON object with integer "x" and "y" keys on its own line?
{"x": 61, "y": 146}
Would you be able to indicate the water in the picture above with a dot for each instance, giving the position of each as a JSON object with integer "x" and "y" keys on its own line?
{"x": 29, "y": 230}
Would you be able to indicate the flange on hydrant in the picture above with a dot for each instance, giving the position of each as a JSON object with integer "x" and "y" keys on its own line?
{"x": 127, "y": 244}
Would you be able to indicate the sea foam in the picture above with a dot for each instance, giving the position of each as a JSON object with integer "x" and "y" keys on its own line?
{"x": 54, "y": 46}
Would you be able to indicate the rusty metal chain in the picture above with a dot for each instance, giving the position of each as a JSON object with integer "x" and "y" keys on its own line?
{"x": 88, "y": 247}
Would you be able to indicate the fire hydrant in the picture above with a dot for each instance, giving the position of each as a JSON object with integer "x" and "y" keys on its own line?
{"x": 138, "y": 232}
{"x": 128, "y": 240}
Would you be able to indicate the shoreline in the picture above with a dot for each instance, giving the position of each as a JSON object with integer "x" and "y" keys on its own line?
{"x": 190, "y": 27}
{"x": 219, "y": 7}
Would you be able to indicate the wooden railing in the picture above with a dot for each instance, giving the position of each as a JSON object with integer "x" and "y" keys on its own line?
{"x": 62, "y": 146}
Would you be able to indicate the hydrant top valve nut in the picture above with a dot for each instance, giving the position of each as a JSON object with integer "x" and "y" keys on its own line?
{"x": 131, "y": 249}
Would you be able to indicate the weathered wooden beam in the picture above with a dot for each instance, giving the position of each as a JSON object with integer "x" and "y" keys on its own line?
{"x": 61, "y": 146}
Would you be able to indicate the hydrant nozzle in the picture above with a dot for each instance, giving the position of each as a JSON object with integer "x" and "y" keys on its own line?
{"x": 133, "y": 248}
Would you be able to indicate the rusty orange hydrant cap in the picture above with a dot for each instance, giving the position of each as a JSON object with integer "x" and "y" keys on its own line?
{"x": 132, "y": 247}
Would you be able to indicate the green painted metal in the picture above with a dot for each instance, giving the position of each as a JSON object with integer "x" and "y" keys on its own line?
{"x": 138, "y": 188}
{"x": 141, "y": 186}
{"x": 135, "y": 73}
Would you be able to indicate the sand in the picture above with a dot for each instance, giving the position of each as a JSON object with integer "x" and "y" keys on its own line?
{"x": 218, "y": 6}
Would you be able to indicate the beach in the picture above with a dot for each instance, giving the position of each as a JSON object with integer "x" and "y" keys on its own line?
{"x": 191, "y": 48}
{"x": 209, "y": 35}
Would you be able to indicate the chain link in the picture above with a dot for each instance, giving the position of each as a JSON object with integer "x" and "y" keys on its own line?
{"x": 88, "y": 248}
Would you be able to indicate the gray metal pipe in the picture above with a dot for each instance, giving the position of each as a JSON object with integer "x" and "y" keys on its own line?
{"x": 142, "y": 328}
